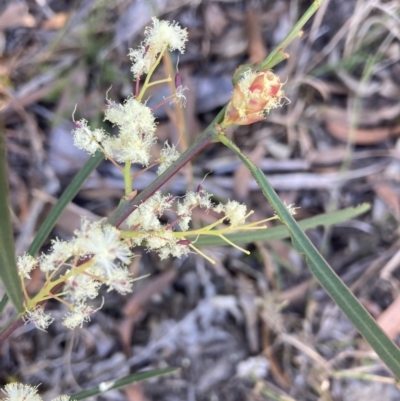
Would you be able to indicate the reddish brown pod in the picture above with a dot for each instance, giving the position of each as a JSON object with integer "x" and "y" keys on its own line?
{"x": 254, "y": 95}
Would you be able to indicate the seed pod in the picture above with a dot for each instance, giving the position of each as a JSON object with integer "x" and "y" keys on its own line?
{"x": 254, "y": 95}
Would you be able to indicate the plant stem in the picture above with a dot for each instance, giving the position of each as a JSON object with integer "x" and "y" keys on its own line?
{"x": 150, "y": 73}
{"x": 11, "y": 327}
{"x": 330, "y": 281}
{"x": 126, "y": 207}
{"x": 127, "y": 178}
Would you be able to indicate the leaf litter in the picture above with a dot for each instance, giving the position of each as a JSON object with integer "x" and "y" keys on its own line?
{"x": 252, "y": 327}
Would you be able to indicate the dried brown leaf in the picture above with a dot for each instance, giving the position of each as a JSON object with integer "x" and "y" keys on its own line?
{"x": 389, "y": 320}
{"x": 366, "y": 116}
{"x": 247, "y": 297}
{"x": 214, "y": 19}
{"x": 389, "y": 196}
{"x": 16, "y": 15}
{"x": 341, "y": 131}
{"x": 135, "y": 392}
{"x": 57, "y": 21}
{"x": 326, "y": 157}
{"x": 338, "y": 124}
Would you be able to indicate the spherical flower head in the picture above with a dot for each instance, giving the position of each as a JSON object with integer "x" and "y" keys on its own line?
{"x": 235, "y": 212}
{"x": 166, "y": 33}
{"x": 25, "y": 264}
{"x": 80, "y": 315}
{"x": 38, "y": 318}
{"x": 133, "y": 148}
{"x": 59, "y": 253}
{"x": 86, "y": 139}
{"x": 163, "y": 34}
{"x": 168, "y": 156}
{"x": 160, "y": 239}
{"x": 131, "y": 116}
{"x": 120, "y": 281}
{"x": 146, "y": 215}
{"x": 192, "y": 199}
{"x": 166, "y": 245}
{"x": 142, "y": 60}
{"x": 254, "y": 95}
{"x": 103, "y": 243}
{"x": 20, "y": 392}
{"x": 137, "y": 128}
{"x": 82, "y": 287}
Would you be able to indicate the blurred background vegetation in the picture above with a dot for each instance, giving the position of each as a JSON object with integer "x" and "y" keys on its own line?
{"x": 251, "y": 327}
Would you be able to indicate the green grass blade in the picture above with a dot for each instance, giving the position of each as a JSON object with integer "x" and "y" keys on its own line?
{"x": 8, "y": 265}
{"x": 65, "y": 199}
{"x": 331, "y": 282}
{"x": 122, "y": 382}
{"x": 3, "y": 303}
{"x": 281, "y": 232}
{"x": 278, "y": 55}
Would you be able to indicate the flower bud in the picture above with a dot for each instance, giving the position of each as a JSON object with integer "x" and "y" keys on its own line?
{"x": 178, "y": 80}
{"x": 254, "y": 95}
{"x": 184, "y": 242}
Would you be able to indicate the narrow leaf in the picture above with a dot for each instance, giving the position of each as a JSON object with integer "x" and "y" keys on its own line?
{"x": 137, "y": 377}
{"x": 281, "y": 232}
{"x": 277, "y": 55}
{"x": 330, "y": 281}
{"x": 8, "y": 265}
{"x": 3, "y": 302}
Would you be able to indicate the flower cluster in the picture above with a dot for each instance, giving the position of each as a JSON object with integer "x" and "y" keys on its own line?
{"x": 137, "y": 128}
{"x": 254, "y": 95}
{"x": 135, "y": 120}
{"x": 170, "y": 239}
{"x": 99, "y": 253}
{"x": 96, "y": 255}
{"x": 24, "y": 392}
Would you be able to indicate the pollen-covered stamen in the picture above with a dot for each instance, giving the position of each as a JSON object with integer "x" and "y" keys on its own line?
{"x": 38, "y": 318}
